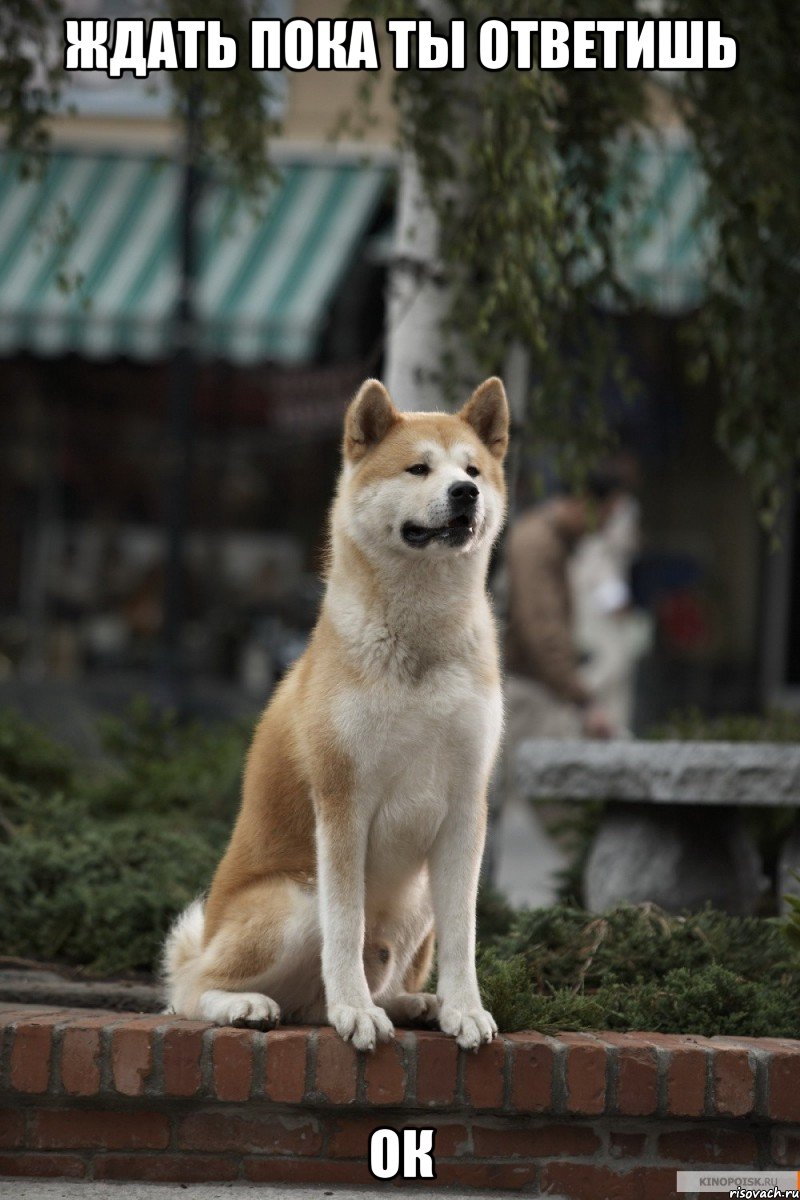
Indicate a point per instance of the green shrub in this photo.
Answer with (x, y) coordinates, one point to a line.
(710, 1002)
(30, 756)
(100, 894)
(567, 947)
(692, 725)
(495, 915)
(792, 922)
(160, 765)
(95, 863)
(96, 860)
(637, 968)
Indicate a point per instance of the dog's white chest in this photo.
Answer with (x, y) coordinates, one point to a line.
(415, 751)
(392, 731)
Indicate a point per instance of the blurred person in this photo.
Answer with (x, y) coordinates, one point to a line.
(611, 634)
(547, 695)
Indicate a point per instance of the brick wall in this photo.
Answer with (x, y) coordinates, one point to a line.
(104, 1095)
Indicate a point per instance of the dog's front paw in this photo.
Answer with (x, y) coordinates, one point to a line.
(468, 1025)
(413, 1006)
(361, 1026)
(248, 1009)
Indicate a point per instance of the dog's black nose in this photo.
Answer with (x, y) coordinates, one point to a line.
(462, 494)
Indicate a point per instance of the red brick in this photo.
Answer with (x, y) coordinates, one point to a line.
(531, 1073)
(182, 1050)
(637, 1074)
(12, 1128)
(772, 1045)
(507, 1176)
(77, 1018)
(603, 1183)
(451, 1140)
(784, 1085)
(734, 1083)
(437, 1065)
(571, 1141)
(673, 1041)
(166, 1168)
(267, 1132)
(80, 1061)
(74, 1129)
(687, 1071)
(132, 1058)
(580, 1181)
(785, 1148)
(585, 1074)
(626, 1145)
(145, 1020)
(658, 1183)
(32, 1052)
(12, 1014)
(306, 1170)
(448, 1174)
(349, 1136)
(385, 1073)
(232, 1063)
(41, 1166)
(631, 1037)
(286, 1065)
(531, 1141)
(484, 1075)
(337, 1069)
(709, 1146)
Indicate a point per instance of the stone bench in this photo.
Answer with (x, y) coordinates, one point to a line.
(672, 832)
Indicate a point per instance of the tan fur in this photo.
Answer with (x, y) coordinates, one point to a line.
(304, 772)
(418, 973)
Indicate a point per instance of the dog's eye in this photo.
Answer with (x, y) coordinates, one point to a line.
(419, 469)
(472, 471)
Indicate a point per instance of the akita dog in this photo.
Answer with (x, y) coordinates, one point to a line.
(364, 799)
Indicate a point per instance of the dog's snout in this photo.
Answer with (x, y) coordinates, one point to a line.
(463, 494)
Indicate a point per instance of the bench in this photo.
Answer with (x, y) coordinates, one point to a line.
(672, 831)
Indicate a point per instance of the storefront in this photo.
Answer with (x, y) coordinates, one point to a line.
(289, 313)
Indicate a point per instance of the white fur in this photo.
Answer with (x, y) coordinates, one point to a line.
(184, 943)
(239, 1008)
(421, 727)
(423, 731)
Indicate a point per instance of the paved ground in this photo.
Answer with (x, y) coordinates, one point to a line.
(23, 1189)
(527, 858)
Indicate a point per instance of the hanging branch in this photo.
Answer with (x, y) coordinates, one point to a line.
(528, 195)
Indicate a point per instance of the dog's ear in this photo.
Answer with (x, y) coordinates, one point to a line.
(487, 412)
(369, 418)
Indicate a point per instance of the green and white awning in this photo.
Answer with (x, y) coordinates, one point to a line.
(89, 251)
(89, 254)
(663, 246)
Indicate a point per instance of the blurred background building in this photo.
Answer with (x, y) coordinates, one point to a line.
(288, 316)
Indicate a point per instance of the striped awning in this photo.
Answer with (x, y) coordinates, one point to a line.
(663, 245)
(89, 257)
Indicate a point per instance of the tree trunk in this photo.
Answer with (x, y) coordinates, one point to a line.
(418, 299)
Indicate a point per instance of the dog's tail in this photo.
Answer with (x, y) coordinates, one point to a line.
(180, 959)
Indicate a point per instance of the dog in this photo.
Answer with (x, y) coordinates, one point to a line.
(363, 812)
